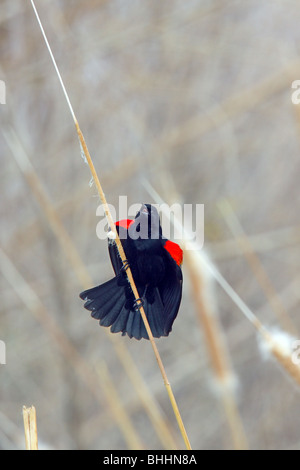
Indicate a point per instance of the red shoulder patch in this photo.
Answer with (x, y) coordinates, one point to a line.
(175, 251)
(124, 223)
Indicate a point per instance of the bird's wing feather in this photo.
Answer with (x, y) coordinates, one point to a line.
(115, 258)
(171, 290)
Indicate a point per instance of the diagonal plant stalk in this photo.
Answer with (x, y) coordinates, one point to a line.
(260, 243)
(216, 347)
(257, 267)
(117, 240)
(206, 312)
(273, 343)
(69, 250)
(231, 106)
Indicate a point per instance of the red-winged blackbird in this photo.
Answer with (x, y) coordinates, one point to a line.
(155, 265)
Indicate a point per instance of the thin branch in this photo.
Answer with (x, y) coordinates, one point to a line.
(30, 428)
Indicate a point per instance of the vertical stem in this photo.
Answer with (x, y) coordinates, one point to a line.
(217, 350)
(30, 428)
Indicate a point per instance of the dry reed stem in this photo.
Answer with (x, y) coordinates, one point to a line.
(118, 243)
(285, 361)
(219, 114)
(31, 300)
(256, 265)
(30, 428)
(160, 424)
(292, 369)
(68, 248)
(260, 243)
(214, 339)
(119, 412)
(216, 347)
(230, 107)
(30, 231)
(283, 358)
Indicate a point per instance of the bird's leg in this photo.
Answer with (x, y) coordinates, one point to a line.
(123, 280)
(138, 303)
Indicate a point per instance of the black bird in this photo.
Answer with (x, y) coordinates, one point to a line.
(155, 265)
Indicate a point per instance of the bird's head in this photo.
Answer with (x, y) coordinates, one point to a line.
(146, 224)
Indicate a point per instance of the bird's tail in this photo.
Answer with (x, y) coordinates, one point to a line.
(109, 304)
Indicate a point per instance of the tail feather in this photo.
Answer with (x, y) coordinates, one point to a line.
(120, 323)
(104, 301)
(113, 313)
(132, 327)
(100, 299)
(109, 304)
(155, 315)
(135, 326)
(103, 292)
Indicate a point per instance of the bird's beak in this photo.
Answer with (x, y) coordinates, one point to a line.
(144, 210)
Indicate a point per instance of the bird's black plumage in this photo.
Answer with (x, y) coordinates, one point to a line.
(157, 275)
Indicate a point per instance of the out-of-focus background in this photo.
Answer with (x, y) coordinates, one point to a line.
(195, 98)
